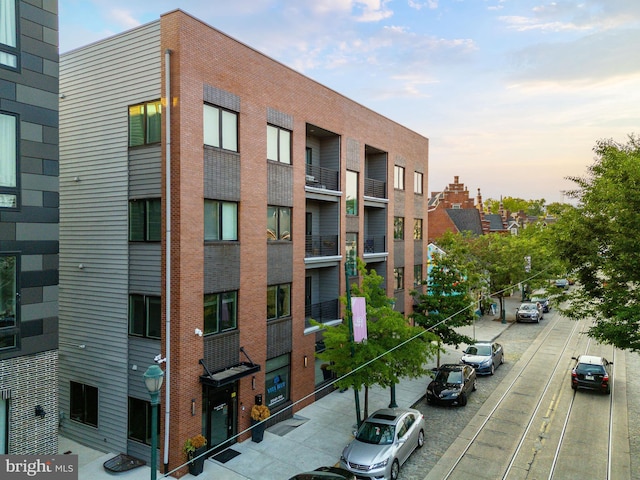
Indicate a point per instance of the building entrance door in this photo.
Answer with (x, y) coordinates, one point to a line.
(220, 415)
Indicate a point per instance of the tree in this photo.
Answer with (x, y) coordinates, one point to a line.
(393, 349)
(599, 240)
(447, 302)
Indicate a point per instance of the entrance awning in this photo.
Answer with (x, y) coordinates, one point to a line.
(229, 375)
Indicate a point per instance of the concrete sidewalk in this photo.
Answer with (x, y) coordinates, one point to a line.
(315, 436)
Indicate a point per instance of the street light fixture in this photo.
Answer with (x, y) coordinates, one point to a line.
(153, 378)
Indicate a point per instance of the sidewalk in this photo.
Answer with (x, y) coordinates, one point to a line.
(315, 436)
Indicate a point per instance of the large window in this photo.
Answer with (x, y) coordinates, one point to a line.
(84, 404)
(139, 414)
(417, 229)
(278, 301)
(398, 228)
(352, 193)
(8, 295)
(398, 276)
(145, 220)
(220, 312)
(277, 380)
(145, 316)
(145, 123)
(417, 275)
(278, 223)
(352, 254)
(220, 220)
(220, 128)
(8, 33)
(8, 159)
(278, 144)
(398, 177)
(417, 183)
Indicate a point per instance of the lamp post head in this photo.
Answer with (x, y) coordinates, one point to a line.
(153, 378)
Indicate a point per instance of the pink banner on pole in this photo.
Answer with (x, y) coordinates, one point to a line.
(359, 316)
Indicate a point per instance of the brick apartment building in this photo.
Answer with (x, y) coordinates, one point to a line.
(274, 181)
(28, 227)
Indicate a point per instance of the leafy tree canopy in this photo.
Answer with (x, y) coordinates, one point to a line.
(599, 240)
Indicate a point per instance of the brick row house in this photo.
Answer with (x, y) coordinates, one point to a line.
(210, 200)
(28, 226)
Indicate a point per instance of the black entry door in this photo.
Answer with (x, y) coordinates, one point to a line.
(220, 415)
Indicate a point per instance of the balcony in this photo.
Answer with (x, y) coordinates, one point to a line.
(320, 177)
(375, 244)
(375, 188)
(321, 245)
(322, 312)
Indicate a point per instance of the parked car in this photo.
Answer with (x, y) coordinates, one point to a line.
(591, 372)
(529, 312)
(562, 283)
(543, 301)
(484, 357)
(452, 384)
(325, 473)
(383, 443)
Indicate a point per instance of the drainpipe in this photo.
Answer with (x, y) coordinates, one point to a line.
(167, 293)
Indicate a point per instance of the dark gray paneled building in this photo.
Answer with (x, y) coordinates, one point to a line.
(28, 226)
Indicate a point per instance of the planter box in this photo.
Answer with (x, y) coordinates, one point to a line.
(197, 466)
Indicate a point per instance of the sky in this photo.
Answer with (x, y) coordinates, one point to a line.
(512, 94)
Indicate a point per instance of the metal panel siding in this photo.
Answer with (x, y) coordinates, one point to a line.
(98, 87)
(279, 263)
(330, 153)
(221, 175)
(280, 181)
(141, 354)
(144, 268)
(221, 267)
(145, 175)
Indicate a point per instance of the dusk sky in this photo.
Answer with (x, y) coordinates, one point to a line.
(512, 94)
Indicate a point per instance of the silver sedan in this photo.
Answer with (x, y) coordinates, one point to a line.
(383, 443)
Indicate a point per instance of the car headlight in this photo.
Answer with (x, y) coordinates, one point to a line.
(486, 362)
(380, 464)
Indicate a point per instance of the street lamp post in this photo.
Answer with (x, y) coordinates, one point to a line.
(153, 378)
(350, 315)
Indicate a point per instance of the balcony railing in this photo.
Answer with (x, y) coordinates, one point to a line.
(375, 244)
(322, 312)
(375, 188)
(320, 177)
(321, 245)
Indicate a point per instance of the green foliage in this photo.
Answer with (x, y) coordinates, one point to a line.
(393, 348)
(599, 240)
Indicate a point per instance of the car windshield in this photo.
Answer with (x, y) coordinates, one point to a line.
(482, 350)
(376, 433)
(528, 306)
(449, 376)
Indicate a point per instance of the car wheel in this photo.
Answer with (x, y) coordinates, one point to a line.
(607, 391)
(420, 438)
(428, 399)
(475, 385)
(493, 369)
(575, 387)
(501, 359)
(395, 470)
(462, 401)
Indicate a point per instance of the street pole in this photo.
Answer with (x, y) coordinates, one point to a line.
(356, 394)
(153, 378)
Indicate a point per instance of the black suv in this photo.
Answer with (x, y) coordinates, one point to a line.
(591, 372)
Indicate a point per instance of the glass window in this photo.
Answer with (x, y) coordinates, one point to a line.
(8, 33)
(139, 424)
(278, 223)
(84, 403)
(145, 123)
(352, 254)
(278, 301)
(277, 384)
(8, 305)
(417, 229)
(398, 275)
(145, 220)
(220, 220)
(278, 144)
(398, 228)
(417, 275)
(4, 426)
(352, 193)
(220, 312)
(398, 177)
(417, 182)
(145, 316)
(220, 128)
(8, 160)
